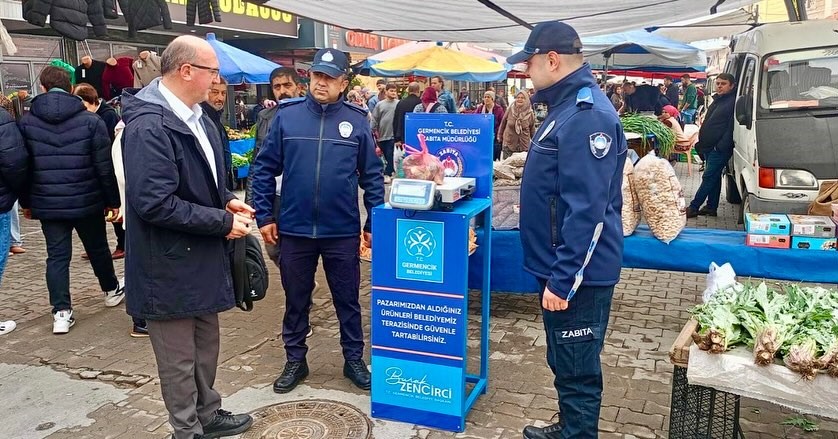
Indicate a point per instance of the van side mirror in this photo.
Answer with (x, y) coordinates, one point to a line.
(744, 110)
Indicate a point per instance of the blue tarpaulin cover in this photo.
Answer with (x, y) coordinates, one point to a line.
(641, 50)
(238, 66)
(692, 251)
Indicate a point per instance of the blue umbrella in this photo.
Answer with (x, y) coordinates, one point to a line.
(641, 50)
(238, 66)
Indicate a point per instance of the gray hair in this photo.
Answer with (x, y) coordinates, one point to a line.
(177, 53)
(413, 87)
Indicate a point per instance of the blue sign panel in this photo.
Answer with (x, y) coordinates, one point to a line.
(464, 143)
(429, 387)
(419, 250)
(419, 323)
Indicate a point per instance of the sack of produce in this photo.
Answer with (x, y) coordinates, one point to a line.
(504, 172)
(516, 160)
(422, 165)
(661, 197)
(631, 206)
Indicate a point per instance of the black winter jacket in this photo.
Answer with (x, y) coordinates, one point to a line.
(208, 10)
(14, 164)
(178, 261)
(145, 14)
(218, 125)
(108, 114)
(716, 132)
(67, 17)
(70, 158)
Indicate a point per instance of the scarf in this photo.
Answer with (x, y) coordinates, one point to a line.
(429, 96)
(521, 114)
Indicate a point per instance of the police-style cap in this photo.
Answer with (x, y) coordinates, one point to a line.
(550, 36)
(331, 62)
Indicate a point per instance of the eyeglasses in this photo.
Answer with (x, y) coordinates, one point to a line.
(213, 71)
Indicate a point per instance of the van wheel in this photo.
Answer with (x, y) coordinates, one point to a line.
(731, 191)
(744, 207)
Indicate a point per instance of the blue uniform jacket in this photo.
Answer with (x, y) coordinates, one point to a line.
(571, 196)
(323, 153)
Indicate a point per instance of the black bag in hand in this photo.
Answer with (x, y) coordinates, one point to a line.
(250, 274)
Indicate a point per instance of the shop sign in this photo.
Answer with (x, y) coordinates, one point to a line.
(420, 250)
(361, 42)
(245, 17)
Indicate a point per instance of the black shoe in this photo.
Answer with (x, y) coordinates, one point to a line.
(707, 212)
(293, 374)
(548, 432)
(226, 424)
(139, 331)
(357, 372)
(691, 213)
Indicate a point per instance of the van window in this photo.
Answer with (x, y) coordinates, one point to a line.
(746, 85)
(734, 65)
(800, 79)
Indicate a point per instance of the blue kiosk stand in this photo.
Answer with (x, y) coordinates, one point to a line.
(420, 297)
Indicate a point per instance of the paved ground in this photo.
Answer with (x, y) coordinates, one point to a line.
(97, 382)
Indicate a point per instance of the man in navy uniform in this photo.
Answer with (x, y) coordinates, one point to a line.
(570, 221)
(323, 149)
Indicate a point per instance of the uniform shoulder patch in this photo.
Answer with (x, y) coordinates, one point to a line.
(600, 144)
(584, 96)
(357, 108)
(291, 101)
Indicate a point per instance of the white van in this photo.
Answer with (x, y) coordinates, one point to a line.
(786, 120)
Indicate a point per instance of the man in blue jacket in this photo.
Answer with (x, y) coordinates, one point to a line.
(323, 149)
(72, 188)
(570, 221)
(179, 212)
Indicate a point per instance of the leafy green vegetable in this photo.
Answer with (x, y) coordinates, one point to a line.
(635, 123)
(801, 423)
(240, 161)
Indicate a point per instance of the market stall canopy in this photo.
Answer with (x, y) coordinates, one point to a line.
(442, 61)
(498, 21)
(721, 25)
(641, 50)
(412, 47)
(238, 66)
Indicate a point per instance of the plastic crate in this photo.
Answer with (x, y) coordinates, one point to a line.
(701, 412)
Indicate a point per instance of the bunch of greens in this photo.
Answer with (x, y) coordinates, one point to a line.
(644, 125)
(240, 161)
(801, 323)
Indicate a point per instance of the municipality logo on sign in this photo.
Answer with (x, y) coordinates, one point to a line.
(419, 242)
(418, 387)
(419, 255)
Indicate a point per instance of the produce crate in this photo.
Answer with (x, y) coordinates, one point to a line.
(698, 412)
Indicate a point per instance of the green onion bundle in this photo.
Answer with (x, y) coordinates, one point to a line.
(635, 123)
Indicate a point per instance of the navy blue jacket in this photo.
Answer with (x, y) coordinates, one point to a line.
(70, 158)
(323, 153)
(571, 189)
(14, 164)
(108, 114)
(716, 132)
(177, 259)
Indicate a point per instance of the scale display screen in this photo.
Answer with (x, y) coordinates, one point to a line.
(412, 194)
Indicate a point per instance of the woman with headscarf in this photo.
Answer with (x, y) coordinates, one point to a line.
(517, 125)
(429, 103)
(490, 107)
(670, 117)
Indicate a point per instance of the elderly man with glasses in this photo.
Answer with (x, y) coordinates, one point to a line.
(181, 216)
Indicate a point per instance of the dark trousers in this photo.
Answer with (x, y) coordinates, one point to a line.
(120, 236)
(387, 148)
(59, 240)
(575, 339)
(711, 180)
(298, 259)
(187, 360)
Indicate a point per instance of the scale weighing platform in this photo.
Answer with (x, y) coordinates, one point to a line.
(412, 194)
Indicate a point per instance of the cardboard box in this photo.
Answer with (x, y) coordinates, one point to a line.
(767, 224)
(812, 226)
(811, 243)
(768, 241)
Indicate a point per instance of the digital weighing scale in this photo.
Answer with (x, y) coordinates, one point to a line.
(412, 194)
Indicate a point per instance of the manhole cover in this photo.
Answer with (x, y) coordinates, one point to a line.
(310, 419)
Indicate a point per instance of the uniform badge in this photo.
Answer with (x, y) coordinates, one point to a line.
(547, 130)
(345, 129)
(600, 144)
(328, 57)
